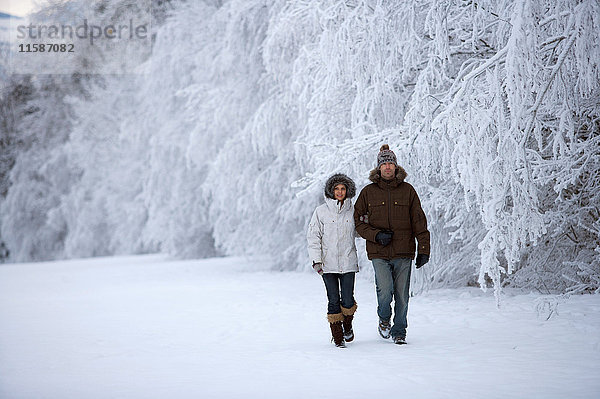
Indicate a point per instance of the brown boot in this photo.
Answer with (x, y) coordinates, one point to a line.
(347, 323)
(337, 331)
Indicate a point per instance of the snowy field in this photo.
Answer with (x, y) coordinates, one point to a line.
(148, 327)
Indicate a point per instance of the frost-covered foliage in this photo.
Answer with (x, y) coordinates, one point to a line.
(38, 172)
(516, 128)
(246, 107)
(36, 120)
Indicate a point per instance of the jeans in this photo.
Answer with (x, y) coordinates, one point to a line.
(392, 281)
(333, 282)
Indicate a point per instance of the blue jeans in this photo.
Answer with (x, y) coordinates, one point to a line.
(392, 281)
(336, 283)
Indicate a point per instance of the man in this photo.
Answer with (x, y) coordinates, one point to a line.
(389, 216)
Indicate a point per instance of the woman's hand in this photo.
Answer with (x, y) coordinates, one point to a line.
(318, 268)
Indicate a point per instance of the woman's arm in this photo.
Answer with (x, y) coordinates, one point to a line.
(314, 236)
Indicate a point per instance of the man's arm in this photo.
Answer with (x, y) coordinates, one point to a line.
(361, 209)
(419, 225)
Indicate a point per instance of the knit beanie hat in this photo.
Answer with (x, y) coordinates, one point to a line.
(386, 155)
(340, 178)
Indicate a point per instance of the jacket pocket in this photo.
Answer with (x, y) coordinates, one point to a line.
(377, 214)
(401, 213)
(330, 232)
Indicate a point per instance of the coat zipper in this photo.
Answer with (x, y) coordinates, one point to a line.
(389, 208)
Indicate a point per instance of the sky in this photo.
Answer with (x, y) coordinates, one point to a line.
(18, 7)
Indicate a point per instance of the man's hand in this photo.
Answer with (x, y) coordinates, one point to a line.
(318, 268)
(421, 260)
(384, 237)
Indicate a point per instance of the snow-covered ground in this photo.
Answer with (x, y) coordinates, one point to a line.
(148, 327)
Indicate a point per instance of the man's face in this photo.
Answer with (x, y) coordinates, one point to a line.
(339, 192)
(388, 170)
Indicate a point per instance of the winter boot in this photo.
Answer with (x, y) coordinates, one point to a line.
(400, 340)
(347, 323)
(337, 331)
(384, 328)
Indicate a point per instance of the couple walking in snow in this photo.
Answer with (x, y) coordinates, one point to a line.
(389, 216)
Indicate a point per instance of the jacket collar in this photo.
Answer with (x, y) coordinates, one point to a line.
(334, 206)
(375, 177)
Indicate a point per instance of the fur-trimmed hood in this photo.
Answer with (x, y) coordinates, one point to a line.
(375, 177)
(340, 178)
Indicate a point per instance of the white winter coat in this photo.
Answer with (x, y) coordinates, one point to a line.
(331, 237)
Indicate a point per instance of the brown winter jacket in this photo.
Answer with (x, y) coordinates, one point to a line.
(391, 205)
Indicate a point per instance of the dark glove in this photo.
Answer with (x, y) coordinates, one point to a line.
(384, 237)
(318, 268)
(421, 260)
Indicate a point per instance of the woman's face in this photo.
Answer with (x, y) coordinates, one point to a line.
(339, 192)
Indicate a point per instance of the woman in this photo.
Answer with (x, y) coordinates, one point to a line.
(333, 253)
